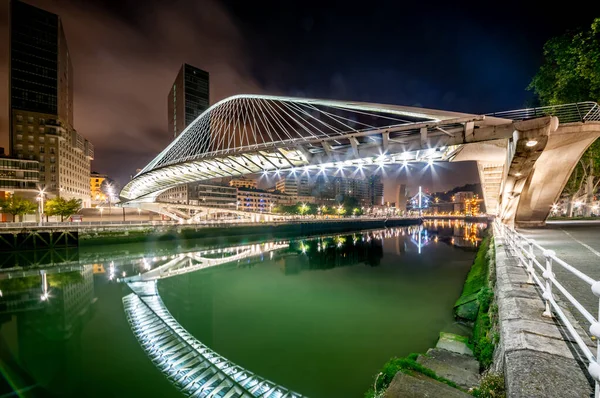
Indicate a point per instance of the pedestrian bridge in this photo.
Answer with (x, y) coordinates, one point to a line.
(525, 157)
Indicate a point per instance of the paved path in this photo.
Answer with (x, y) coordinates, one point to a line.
(577, 243)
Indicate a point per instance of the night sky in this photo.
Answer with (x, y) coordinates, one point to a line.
(475, 58)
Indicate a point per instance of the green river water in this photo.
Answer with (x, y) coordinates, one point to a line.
(319, 316)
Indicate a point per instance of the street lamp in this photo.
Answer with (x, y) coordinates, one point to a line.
(41, 201)
(101, 210)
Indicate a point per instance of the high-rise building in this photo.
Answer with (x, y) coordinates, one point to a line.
(375, 190)
(188, 98)
(368, 191)
(401, 197)
(294, 185)
(41, 103)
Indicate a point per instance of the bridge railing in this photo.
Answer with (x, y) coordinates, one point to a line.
(527, 252)
(566, 113)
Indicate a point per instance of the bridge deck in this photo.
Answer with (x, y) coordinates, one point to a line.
(192, 367)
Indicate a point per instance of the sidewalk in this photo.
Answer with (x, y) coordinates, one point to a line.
(537, 356)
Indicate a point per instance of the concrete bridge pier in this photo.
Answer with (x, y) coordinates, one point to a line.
(523, 175)
(523, 151)
(552, 170)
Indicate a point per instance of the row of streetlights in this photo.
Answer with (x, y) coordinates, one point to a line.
(380, 163)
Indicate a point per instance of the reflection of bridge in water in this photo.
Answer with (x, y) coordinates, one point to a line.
(192, 367)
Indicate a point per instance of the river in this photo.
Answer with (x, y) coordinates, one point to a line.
(319, 315)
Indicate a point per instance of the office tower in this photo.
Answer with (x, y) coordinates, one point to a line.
(41, 103)
(188, 98)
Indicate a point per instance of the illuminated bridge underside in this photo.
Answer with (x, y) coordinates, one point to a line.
(194, 261)
(250, 134)
(192, 367)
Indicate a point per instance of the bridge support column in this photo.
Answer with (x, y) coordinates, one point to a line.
(524, 149)
(552, 171)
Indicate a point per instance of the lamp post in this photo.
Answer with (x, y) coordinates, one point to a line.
(41, 201)
(101, 210)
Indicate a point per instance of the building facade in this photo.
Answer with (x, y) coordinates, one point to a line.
(41, 104)
(261, 201)
(243, 182)
(294, 185)
(96, 194)
(212, 195)
(18, 177)
(188, 98)
(368, 191)
(178, 194)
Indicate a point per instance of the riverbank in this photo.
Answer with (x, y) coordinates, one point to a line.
(465, 218)
(454, 367)
(35, 237)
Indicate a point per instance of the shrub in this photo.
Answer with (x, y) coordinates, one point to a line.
(492, 386)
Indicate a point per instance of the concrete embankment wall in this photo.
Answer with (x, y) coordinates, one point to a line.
(101, 236)
(536, 354)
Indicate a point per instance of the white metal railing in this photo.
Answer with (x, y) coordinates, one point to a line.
(527, 252)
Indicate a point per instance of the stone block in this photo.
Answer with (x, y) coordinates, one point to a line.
(420, 386)
(533, 374)
(451, 369)
(454, 343)
(467, 311)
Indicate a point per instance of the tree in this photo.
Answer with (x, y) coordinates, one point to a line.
(17, 206)
(571, 68)
(303, 209)
(62, 207)
(571, 73)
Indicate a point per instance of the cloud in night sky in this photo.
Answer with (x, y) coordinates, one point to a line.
(471, 58)
(123, 72)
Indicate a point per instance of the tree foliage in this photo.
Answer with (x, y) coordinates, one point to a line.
(17, 206)
(571, 73)
(571, 68)
(349, 205)
(62, 207)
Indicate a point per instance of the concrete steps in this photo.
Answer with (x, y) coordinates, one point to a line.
(459, 368)
(420, 386)
(451, 360)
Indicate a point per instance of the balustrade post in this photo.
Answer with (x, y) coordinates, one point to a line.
(548, 254)
(531, 269)
(594, 367)
(519, 251)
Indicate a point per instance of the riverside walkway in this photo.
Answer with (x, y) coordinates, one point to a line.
(577, 243)
(547, 290)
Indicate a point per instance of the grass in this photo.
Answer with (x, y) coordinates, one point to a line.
(491, 386)
(408, 365)
(483, 341)
(478, 275)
